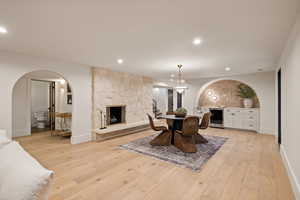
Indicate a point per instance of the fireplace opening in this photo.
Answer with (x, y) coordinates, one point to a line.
(216, 119)
(115, 114)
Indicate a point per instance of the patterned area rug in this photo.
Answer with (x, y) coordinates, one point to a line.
(171, 154)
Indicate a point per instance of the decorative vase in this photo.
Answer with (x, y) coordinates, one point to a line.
(248, 103)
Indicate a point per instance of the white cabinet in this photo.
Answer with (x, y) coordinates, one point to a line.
(241, 118)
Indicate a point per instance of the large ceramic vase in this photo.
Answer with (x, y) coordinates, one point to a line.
(248, 103)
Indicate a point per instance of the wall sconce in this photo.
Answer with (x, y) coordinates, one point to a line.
(62, 90)
(209, 93)
(214, 98)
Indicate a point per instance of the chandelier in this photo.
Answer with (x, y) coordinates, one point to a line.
(180, 82)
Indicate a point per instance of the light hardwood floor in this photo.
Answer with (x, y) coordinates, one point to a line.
(248, 166)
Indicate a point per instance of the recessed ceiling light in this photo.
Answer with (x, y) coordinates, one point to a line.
(3, 30)
(172, 75)
(227, 68)
(197, 41)
(120, 61)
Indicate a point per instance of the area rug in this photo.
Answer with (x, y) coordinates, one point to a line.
(171, 154)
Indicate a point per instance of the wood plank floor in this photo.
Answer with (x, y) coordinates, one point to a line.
(248, 166)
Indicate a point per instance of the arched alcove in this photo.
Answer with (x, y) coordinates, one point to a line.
(206, 85)
(29, 102)
(223, 93)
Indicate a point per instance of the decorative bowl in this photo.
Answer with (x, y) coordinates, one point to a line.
(180, 114)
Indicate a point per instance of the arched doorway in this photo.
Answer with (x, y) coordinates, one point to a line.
(42, 104)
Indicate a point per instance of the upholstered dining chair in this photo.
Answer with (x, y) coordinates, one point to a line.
(203, 125)
(164, 138)
(185, 138)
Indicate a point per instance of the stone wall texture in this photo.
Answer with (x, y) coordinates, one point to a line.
(121, 88)
(223, 94)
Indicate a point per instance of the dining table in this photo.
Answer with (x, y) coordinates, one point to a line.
(176, 124)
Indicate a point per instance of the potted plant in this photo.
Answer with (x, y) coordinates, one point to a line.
(247, 94)
(180, 112)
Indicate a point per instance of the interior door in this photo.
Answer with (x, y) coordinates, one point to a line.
(52, 105)
(170, 100)
(279, 105)
(179, 100)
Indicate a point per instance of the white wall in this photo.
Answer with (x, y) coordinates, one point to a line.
(262, 83)
(161, 97)
(61, 98)
(61, 104)
(290, 69)
(13, 66)
(21, 108)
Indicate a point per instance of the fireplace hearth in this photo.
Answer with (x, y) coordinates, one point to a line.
(116, 114)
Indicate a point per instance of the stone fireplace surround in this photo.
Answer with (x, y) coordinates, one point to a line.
(121, 88)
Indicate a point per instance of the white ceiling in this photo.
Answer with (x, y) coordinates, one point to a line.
(152, 36)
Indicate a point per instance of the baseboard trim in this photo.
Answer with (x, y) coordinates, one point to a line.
(77, 139)
(266, 132)
(21, 133)
(291, 174)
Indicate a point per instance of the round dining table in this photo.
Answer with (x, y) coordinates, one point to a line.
(176, 124)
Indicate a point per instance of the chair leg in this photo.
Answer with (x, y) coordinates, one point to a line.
(163, 139)
(185, 144)
(199, 139)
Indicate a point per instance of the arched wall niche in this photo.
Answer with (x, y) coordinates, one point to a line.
(222, 93)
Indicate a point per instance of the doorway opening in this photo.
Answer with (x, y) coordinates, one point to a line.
(279, 105)
(42, 104)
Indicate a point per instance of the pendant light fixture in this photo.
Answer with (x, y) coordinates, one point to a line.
(180, 82)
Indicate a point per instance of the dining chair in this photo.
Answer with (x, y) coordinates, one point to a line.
(205, 121)
(164, 138)
(203, 125)
(185, 138)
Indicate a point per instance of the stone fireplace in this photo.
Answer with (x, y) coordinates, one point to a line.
(133, 93)
(116, 114)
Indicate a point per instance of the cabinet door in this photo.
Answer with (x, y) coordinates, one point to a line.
(237, 119)
(228, 118)
(250, 124)
(251, 119)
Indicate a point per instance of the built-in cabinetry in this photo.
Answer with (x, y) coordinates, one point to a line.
(241, 118)
(238, 118)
